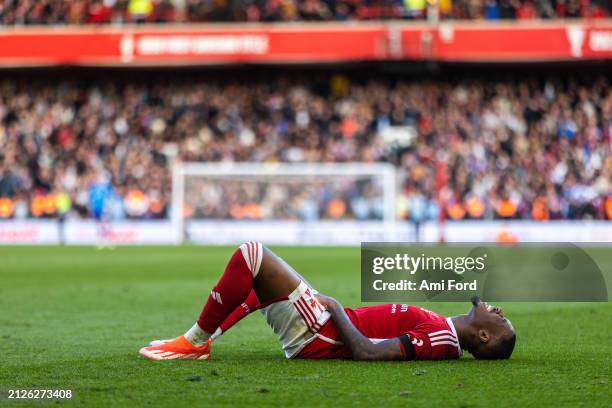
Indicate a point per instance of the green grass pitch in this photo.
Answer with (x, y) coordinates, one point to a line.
(75, 317)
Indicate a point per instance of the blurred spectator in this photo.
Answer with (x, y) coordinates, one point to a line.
(139, 11)
(491, 10)
(526, 11)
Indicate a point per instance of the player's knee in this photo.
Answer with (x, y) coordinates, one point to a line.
(252, 253)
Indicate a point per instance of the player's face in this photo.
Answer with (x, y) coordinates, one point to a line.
(488, 317)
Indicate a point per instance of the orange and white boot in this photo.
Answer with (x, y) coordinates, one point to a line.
(176, 349)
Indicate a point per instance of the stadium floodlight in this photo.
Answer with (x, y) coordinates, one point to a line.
(288, 202)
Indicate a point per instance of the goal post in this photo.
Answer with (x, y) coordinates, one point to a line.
(287, 202)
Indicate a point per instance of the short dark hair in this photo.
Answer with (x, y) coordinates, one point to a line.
(500, 350)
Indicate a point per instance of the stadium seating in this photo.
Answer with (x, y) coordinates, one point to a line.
(20, 12)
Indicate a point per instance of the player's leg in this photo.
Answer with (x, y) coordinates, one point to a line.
(273, 282)
(250, 267)
(247, 307)
(254, 276)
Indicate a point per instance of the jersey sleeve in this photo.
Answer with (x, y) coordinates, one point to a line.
(433, 343)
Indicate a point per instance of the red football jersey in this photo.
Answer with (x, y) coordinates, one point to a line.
(433, 336)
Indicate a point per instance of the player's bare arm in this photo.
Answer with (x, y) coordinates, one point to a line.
(362, 348)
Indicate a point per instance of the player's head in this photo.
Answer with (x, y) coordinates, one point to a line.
(493, 336)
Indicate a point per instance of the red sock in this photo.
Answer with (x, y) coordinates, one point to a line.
(247, 307)
(233, 288)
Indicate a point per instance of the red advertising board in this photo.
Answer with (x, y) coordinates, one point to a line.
(525, 42)
(305, 43)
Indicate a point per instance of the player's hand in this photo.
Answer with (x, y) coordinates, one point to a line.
(326, 301)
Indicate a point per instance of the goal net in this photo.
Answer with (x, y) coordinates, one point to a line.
(282, 203)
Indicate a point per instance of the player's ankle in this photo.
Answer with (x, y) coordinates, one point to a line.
(197, 336)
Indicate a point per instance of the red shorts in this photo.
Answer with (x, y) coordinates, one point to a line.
(322, 348)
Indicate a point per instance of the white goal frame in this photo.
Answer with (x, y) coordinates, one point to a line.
(180, 170)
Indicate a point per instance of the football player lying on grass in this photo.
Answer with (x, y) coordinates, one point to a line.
(312, 326)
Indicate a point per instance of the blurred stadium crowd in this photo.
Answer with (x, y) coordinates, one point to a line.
(18, 12)
(285, 198)
(516, 149)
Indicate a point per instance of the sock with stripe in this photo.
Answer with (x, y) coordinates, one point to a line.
(247, 307)
(232, 290)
